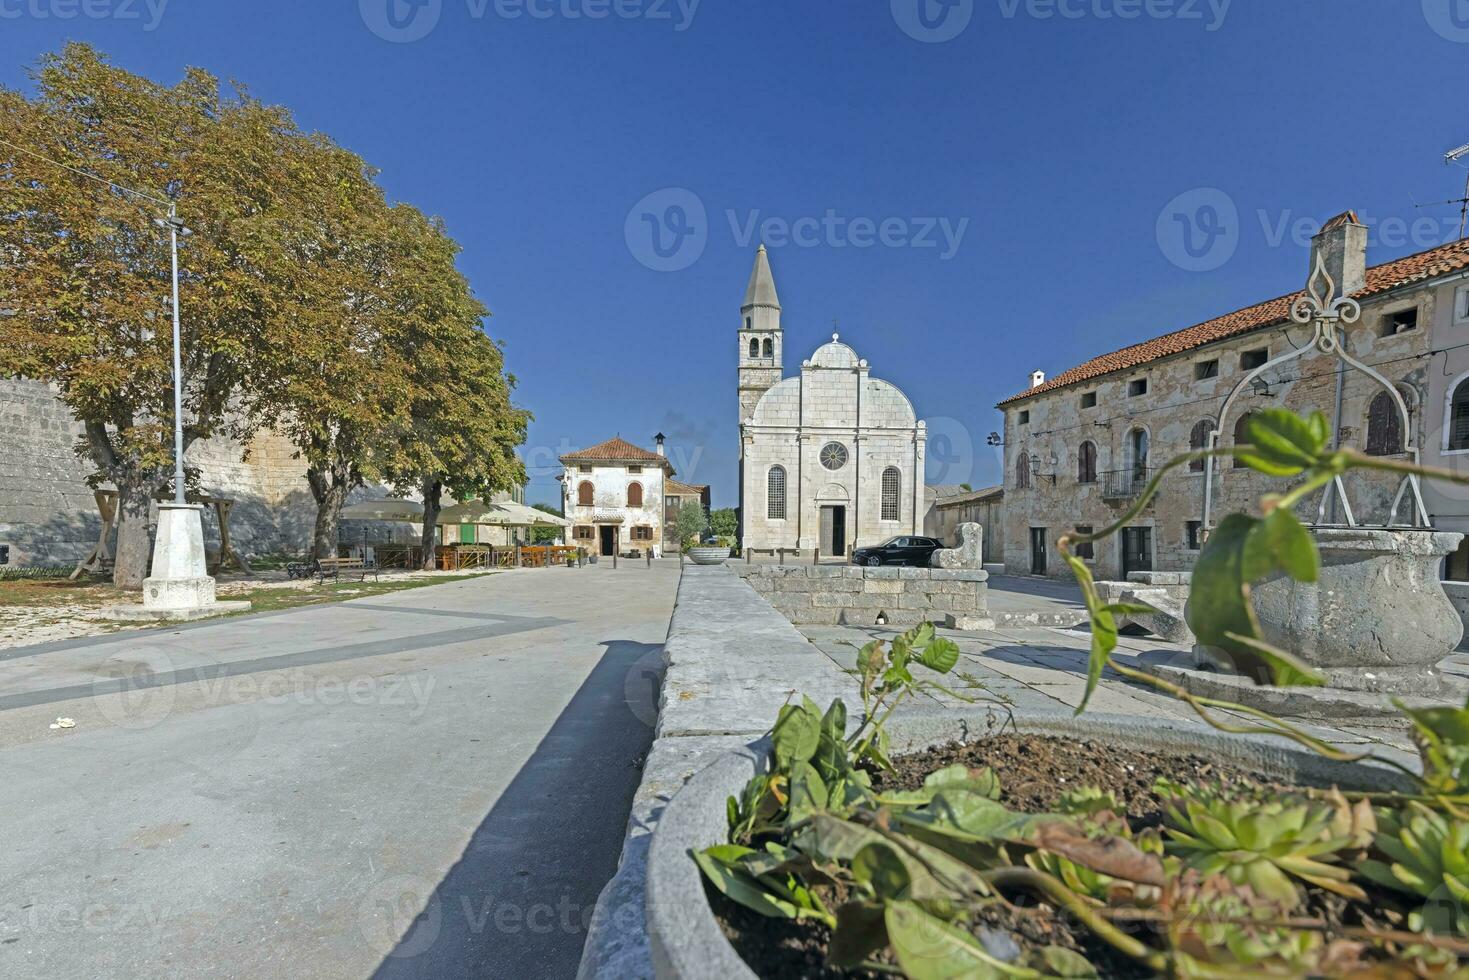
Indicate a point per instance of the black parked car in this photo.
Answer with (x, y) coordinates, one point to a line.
(905, 550)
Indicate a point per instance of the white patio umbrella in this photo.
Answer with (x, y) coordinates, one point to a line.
(409, 511)
(477, 512)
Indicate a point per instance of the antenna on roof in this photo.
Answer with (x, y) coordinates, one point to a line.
(1453, 157)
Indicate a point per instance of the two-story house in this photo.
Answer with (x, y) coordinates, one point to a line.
(614, 496)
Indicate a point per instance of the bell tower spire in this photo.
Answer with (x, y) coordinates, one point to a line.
(760, 336)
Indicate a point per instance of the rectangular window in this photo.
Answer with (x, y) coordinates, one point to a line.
(1089, 400)
(642, 534)
(1136, 387)
(584, 531)
(1400, 322)
(584, 469)
(1088, 551)
(1024, 418)
(1461, 305)
(1204, 370)
(1252, 359)
(1192, 531)
(635, 469)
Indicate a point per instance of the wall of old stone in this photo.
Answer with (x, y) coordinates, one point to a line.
(852, 596)
(47, 512)
(1176, 399)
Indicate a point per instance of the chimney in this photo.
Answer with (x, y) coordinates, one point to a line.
(660, 439)
(1037, 378)
(1342, 246)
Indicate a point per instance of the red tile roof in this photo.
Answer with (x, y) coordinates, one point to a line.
(1431, 264)
(613, 451)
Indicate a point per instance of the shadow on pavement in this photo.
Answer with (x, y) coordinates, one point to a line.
(517, 903)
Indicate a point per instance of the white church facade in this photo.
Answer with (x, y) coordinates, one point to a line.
(831, 459)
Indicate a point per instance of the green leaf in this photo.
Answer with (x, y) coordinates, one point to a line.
(1283, 443)
(881, 867)
(1281, 543)
(746, 890)
(930, 949)
(941, 655)
(1067, 963)
(808, 792)
(834, 722)
(860, 932)
(796, 736)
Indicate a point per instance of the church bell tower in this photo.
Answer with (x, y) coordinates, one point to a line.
(760, 336)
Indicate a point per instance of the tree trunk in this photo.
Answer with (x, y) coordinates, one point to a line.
(433, 502)
(130, 561)
(330, 487)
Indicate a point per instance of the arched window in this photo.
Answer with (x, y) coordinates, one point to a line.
(1022, 472)
(1241, 436)
(1086, 463)
(1459, 417)
(1137, 451)
(769, 347)
(635, 495)
(754, 347)
(584, 494)
(892, 488)
(775, 494)
(1199, 439)
(1384, 427)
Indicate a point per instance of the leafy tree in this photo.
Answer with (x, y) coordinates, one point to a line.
(691, 523)
(87, 283)
(546, 535)
(724, 522)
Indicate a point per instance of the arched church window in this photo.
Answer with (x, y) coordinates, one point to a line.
(769, 347)
(584, 494)
(775, 494)
(892, 489)
(1384, 427)
(754, 347)
(635, 495)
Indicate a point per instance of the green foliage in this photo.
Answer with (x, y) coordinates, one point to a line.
(724, 522)
(1426, 855)
(1257, 841)
(544, 534)
(691, 523)
(1442, 736)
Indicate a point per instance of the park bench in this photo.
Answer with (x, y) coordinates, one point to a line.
(334, 567)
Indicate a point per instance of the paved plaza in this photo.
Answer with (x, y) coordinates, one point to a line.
(427, 784)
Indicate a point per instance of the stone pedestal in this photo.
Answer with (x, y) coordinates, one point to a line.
(179, 587)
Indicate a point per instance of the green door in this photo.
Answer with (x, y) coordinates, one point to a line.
(468, 534)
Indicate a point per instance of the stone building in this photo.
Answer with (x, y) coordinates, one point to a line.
(828, 459)
(49, 517)
(614, 495)
(676, 496)
(1080, 447)
(950, 507)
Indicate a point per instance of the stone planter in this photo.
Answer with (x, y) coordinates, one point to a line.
(708, 556)
(1378, 620)
(684, 935)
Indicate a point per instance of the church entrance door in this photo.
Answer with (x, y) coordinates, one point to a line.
(609, 540)
(834, 532)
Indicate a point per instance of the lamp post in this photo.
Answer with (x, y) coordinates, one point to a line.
(175, 227)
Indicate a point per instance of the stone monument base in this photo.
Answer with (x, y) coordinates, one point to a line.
(152, 614)
(180, 587)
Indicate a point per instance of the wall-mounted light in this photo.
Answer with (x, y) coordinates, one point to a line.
(995, 440)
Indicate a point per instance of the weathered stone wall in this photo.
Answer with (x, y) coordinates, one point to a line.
(1176, 400)
(48, 515)
(854, 596)
(945, 517)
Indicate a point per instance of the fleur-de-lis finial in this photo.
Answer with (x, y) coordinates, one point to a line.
(1321, 303)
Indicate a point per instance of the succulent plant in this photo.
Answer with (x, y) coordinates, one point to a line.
(1257, 841)
(1428, 858)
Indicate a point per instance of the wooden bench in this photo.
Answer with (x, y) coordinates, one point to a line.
(334, 567)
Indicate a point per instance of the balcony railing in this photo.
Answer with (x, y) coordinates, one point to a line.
(1124, 484)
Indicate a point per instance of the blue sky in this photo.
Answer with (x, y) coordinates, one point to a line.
(972, 189)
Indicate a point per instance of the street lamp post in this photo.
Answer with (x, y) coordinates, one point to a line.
(175, 226)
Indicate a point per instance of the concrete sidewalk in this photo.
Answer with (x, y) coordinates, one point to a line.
(426, 784)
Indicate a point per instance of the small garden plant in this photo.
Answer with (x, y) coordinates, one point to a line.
(1202, 877)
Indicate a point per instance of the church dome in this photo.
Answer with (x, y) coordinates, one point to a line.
(835, 355)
